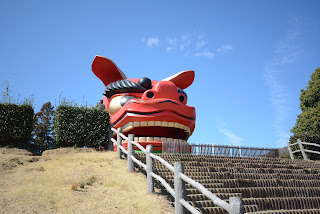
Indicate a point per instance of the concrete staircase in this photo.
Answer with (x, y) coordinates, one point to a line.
(266, 185)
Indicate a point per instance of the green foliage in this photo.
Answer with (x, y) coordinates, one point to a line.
(15, 125)
(12, 163)
(83, 184)
(41, 169)
(90, 180)
(15, 120)
(74, 126)
(43, 128)
(81, 126)
(307, 127)
(6, 97)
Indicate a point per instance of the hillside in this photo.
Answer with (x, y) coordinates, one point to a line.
(73, 181)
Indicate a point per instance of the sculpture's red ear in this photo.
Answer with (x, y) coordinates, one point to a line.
(106, 70)
(183, 79)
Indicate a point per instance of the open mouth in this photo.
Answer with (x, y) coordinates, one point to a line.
(159, 131)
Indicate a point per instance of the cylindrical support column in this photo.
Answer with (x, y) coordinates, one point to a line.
(179, 188)
(290, 150)
(130, 153)
(119, 142)
(304, 155)
(236, 206)
(150, 168)
(110, 135)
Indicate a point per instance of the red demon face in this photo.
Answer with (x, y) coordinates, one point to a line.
(154, 111)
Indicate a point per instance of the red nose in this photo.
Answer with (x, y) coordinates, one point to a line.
(163, 89)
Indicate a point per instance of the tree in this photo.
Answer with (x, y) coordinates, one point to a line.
(43, 128)
(307, 127)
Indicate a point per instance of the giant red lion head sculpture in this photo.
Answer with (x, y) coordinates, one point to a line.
(154, 111)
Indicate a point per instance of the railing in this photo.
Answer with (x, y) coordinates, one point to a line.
(174, 147)
(179, 191)
(233, 151)
(219, 150)
(302, 150)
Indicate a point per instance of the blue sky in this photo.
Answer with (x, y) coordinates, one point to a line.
(251, 58)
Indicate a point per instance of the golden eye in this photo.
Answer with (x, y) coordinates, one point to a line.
(115, 105)
(117, 102)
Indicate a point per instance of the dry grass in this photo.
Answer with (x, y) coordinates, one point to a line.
(73, 181)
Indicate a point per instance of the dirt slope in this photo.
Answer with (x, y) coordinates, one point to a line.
(73, 181)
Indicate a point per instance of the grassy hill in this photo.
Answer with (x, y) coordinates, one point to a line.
(73, 181)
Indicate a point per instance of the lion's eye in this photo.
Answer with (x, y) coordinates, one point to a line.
(125, 99)
(116, 103)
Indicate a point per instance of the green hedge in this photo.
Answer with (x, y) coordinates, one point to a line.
(81, 126)
(15, 125)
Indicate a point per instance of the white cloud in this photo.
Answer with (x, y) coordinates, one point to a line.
(169, 49)
(279, 103)
(286, 52)
(232, 138)
(152, 41)
(225, 48)
(185, 41)
(206, 53)
(172, 41)
(235, 140)
(200, 43)
(189, 45)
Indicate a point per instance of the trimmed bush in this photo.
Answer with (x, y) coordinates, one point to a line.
(15, 125)
(81, 126)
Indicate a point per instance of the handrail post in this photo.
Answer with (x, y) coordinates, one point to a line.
(130, 153)
(110, 135)
(150, 168)
(119, 142)
(179, 188)
(236, 206)
(304, 155)
(290, 150)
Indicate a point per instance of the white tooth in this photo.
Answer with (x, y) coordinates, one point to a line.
(127, 127)
(157, 123)
(164, 124)
(136, 139)
(170, 124)
(142, 139)
(149, 139)
(163, 139)
(157, 139)
(182, 126)
(185, 128)
(181, 141)
(177, 125)
(150, 123)
(143, 123)
(170, 140)
(188, 130)
(175, 140)
(136, 124)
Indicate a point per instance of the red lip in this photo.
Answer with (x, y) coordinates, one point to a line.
(164, 110)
